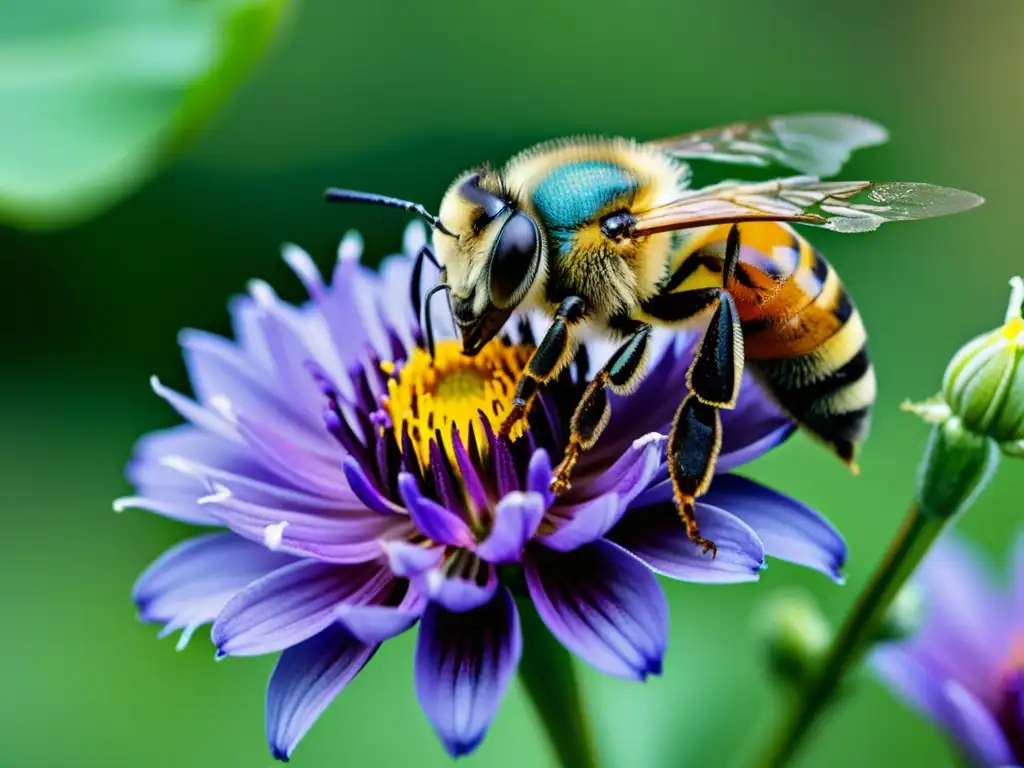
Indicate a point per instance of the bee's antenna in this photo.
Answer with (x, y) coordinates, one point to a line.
(428, 322)
(335, 195)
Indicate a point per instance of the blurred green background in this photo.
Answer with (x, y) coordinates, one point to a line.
(399, 97)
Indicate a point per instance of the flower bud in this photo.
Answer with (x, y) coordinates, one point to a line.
(984, 383)
(795, 637)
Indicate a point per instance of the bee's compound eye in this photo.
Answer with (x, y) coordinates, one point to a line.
(514, 258)
(618, 225)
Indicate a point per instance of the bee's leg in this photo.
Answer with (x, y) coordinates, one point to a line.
(717, 369)
(716, 372)
(714, 381)
(550, 357)
(620, 374)
(693, 446)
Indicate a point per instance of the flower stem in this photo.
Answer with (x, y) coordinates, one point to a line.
(915, 537)
(548, 673)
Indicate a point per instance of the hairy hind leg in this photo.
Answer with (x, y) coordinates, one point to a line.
(693, 446)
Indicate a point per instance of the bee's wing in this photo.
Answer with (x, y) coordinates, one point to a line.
(815, 144)
(807, 200)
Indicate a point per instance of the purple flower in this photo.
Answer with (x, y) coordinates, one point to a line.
(360, 488)
(964, 668)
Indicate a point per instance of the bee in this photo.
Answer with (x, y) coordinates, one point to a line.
(607, 235)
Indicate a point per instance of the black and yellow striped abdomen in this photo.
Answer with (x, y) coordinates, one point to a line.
(803, 337)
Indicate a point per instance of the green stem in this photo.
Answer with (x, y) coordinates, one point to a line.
(916, 535)
(548, 674)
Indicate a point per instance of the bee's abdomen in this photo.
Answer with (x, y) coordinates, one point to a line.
(811, 353)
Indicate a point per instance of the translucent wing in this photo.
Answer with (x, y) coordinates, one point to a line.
(815, 144)
(842, 206)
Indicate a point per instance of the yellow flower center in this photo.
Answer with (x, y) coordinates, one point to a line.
(427, 397)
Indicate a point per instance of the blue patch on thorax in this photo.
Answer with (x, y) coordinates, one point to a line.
(573, 194)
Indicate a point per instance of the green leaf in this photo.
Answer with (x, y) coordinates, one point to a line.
(95, 95)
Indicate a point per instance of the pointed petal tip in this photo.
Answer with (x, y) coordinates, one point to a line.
(788, 529)
(650, 438)
(262, 293)
(351, 246)
(457, 748)
(280, 754)
(125, 502)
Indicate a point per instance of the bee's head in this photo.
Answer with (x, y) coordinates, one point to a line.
(489, 251)
(495, 260)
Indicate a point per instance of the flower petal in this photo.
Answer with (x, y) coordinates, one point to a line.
(312, 472)
(411, 560)
(628, 476)
(464, 664)
(294, 603)
(433, 521)
(788, 529)
(283, 330)
(515, 521)
(189, 584)
(185, 452)
(974, 727)
(1017, 583)
(581, 524)
(470, 477)
(376, 623)
(604, 605)
(191, 411)
(968, 623)
(538, 476)
(305, 680)
(658, 537)
(339, 535)
(366, 491)
(220, 368)
(465, 582)
(945, 702)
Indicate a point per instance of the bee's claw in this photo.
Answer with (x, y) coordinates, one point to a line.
(693, 530)
(513, 418)
(560, 484)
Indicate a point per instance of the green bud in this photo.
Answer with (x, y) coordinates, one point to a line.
(979, 413)
(795, 636)
(984, 383)
(903, 617)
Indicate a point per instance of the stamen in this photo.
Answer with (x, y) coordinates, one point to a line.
(427, 399)
(220, 494)
(273, 534)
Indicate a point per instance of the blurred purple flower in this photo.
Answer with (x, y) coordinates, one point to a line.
(964, 667)
(363, 489)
